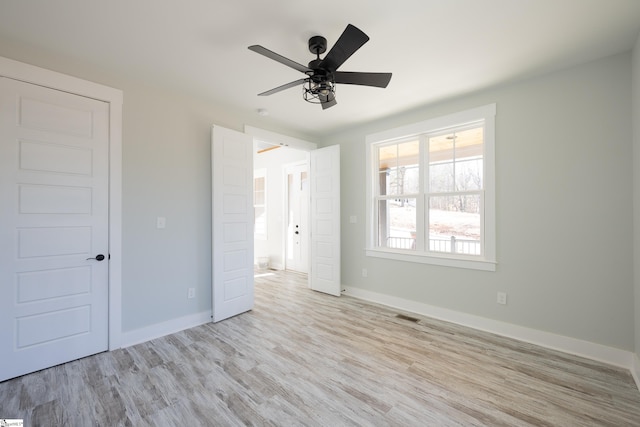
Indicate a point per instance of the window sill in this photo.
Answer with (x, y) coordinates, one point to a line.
(473, 264)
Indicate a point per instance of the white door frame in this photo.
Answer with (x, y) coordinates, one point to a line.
(54, 80)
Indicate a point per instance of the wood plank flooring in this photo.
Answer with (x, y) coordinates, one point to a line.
(301, 358)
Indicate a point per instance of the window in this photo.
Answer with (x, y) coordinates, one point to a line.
(431, 191)
(260, 204)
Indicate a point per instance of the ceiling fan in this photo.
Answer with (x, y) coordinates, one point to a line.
(323, 74)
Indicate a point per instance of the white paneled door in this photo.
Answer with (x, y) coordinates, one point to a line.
(53, 227)
(325, 220)
(232, 222)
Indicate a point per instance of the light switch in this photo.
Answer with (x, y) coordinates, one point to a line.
(161, 222)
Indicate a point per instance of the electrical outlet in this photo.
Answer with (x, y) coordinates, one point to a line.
(502, 298)
(365, 273)
(191, 293)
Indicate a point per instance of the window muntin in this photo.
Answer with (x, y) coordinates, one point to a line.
(433, 193)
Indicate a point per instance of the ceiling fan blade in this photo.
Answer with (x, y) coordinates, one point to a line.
(283, 87)
(364, 79)
(328, 101)
(279, 58)
(351, 40)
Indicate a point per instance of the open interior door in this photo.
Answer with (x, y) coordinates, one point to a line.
(232, 223)
(324, 274)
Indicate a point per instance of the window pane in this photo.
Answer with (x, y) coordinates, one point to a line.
(402, 180)
(408, 153)
(441, 148)
(441, 168)
(469, 175)
(258, 191)
(455, 161)
(258, 183)
(411, 181)
(454, 224)
(469, 143)
(469, 152)
(441, 177)
(387, 156)
(397, 223)
(398, 168)
(394, 180)
(387, 160)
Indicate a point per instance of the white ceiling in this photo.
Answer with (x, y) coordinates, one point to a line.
(435, 48)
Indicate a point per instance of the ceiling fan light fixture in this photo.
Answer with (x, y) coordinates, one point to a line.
(318, 92)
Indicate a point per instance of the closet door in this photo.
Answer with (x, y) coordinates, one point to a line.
(54, 182)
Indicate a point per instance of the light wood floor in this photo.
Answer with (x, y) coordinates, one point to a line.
(304, 358)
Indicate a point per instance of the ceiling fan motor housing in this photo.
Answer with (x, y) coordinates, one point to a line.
(317, 45)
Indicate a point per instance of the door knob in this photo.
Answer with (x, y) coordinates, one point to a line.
(98, 257)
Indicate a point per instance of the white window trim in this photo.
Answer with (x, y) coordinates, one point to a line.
(488, 261)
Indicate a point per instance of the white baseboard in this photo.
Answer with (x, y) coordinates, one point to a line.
(272, 266)
(598, 352)
(635, 370)
(158, 330)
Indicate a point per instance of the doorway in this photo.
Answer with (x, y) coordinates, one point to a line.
(281, 207)
(297, 217)
(323, 176)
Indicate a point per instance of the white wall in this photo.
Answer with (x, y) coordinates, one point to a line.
(564, 209)
(273, 161)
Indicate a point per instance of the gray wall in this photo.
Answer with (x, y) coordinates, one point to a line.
(166, 172)
(636, 188)
(564, 209)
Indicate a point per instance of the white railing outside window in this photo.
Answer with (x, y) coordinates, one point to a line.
(452, 245)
